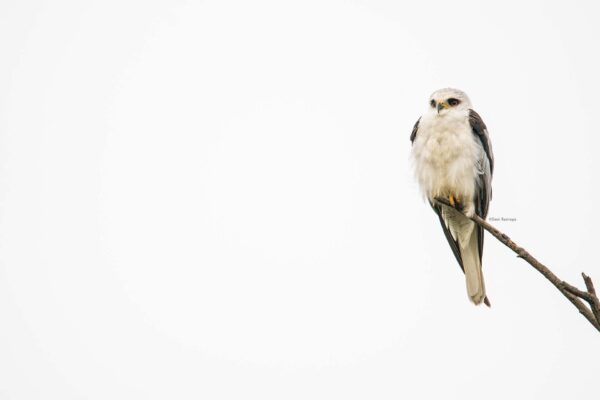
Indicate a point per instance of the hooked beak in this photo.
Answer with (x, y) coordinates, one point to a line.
(441, 105)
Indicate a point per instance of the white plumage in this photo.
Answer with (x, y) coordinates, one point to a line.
(445, 155)
(450, 161)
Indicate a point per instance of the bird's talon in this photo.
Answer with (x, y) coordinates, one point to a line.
(451, 200)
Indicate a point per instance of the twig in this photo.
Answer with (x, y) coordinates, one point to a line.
(573, 294)
(594, 302)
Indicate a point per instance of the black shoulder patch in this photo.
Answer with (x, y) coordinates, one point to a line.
(413, 135)
(480, 130)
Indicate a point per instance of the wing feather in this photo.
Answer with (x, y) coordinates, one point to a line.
(451, 240)
(481, 132)
(483, 194)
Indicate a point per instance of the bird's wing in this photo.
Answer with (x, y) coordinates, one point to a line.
(483, 194)
(480, 131)
(451, 240)
(413, 135)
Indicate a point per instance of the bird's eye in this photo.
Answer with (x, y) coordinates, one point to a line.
(453, 102)
(432, 102)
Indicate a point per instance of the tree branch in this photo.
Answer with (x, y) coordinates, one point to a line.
(573, 294)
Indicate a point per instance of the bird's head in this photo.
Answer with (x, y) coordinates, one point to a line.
(447, 100)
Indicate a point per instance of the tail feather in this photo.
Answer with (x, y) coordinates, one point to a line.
(466, 241)
(469, 250)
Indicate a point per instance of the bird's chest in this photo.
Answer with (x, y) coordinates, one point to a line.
(445, 155)
(444, 142)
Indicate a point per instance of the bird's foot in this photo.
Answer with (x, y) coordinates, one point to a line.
(456, 203)
(451, 200)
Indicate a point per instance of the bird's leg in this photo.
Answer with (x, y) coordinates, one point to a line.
(451, 200)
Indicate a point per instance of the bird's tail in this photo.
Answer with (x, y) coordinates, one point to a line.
(469, 250)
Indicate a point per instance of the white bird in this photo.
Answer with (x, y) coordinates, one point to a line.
(452, 156)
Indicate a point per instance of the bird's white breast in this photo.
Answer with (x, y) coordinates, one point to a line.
(446, 156)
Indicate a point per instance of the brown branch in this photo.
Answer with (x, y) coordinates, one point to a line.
(594, 302)
(573, 294)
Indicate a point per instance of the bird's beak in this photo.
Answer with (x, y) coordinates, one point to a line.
(441, 105)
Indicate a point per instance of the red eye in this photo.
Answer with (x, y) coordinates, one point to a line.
(453, 102)
(432, 102)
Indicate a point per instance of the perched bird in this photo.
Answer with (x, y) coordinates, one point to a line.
(453, 159)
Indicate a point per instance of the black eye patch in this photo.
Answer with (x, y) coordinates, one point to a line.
(432, 102)
(453, 102)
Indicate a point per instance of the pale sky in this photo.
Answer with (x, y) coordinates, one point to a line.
(214, 200)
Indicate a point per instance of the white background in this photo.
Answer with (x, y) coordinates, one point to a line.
(214, 200)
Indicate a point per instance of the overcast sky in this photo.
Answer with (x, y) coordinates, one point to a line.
(214, 200)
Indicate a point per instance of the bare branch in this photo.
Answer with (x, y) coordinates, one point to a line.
(577, 292)
(594, 302)
(573, 294)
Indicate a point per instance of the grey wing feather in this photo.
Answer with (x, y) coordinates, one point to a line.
(483, 194)
(481, 132)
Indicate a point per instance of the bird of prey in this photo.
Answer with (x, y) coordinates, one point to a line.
(453, 159)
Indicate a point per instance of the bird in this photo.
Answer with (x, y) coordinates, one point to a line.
(453, 159)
